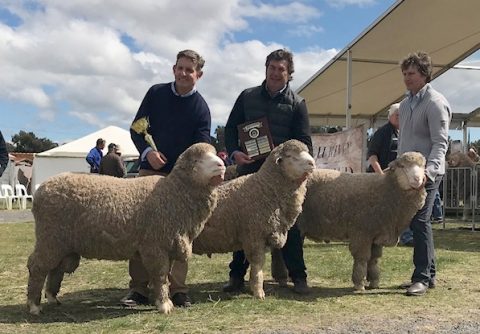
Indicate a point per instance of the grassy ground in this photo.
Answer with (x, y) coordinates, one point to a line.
(90, 296)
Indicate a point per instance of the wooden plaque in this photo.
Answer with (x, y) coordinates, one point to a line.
(255, 138)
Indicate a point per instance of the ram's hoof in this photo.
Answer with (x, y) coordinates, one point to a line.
(260, 294)
(164, 307)
(33, 308)
(51, 299)
(359, 289)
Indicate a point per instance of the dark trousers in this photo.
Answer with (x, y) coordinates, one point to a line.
(292, 253)
(423, 247)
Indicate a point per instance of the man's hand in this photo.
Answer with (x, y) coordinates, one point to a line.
(242, 158)
(156, 159)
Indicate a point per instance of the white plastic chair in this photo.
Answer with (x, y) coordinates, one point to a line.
(5, 200)
(21, 192)
(8, 192)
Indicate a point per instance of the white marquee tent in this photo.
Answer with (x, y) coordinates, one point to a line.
(71, 156)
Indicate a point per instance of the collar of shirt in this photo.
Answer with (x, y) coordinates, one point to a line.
(276, 93)
(193, 91)
(420, 93)
(415, 99)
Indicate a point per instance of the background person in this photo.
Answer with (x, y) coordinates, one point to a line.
(179, 117)
(94, 157)
(287, 119)
(382, 148)
(112, 163)
(425, 117)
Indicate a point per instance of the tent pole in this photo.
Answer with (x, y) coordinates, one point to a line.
(348, 111)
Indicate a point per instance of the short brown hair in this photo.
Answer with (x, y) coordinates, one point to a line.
(197, 60)
(282, 54)
(421, 60)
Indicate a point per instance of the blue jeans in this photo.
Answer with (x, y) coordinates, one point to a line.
(423, 247)
(437, 207)
(406, 237)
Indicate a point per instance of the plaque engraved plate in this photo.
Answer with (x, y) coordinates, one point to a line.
(255, 138)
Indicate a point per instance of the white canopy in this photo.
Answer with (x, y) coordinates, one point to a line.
(366, 73)
(70, 157)
(81, 146)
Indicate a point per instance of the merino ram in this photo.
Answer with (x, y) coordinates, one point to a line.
(368, 210)
(255, 212)
(102, 217)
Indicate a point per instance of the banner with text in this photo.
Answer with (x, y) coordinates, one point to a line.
(342, 151)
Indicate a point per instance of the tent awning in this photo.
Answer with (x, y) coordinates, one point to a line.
(448, 30)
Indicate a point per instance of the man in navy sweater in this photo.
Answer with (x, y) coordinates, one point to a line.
(178, 118)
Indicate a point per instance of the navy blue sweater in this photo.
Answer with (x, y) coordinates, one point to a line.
(176, 123)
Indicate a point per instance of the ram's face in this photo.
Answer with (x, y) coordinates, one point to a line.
(298, 165)
(410, 169)
(209, 169)
(415, 175)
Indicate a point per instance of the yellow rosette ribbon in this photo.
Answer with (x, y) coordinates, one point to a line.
(140, 126)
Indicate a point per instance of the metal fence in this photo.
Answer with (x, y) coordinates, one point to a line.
(460, 192)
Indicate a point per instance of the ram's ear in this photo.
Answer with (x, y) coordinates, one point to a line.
(277, 153)
(392, 165)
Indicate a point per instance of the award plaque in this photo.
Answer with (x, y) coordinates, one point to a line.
(255, 138)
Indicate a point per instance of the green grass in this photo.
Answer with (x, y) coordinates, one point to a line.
(90, 296)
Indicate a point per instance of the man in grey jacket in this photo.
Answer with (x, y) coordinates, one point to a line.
(425, 117)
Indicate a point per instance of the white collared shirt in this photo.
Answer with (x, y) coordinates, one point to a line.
(193, 91)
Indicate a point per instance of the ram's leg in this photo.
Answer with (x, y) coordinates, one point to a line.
(55, 277)
(373, 270)
(158, 268)
(39, 264)
(360, 251)
(256, 259)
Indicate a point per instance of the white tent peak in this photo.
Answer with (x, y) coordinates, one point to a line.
(80, 147)
(70, 157)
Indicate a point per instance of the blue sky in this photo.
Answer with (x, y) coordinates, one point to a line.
(72, 67)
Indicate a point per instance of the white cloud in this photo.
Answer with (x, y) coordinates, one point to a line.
(75, 48)
(67, 60)
(294, 12)
(463, 94)
(343, 3)
(305, 30)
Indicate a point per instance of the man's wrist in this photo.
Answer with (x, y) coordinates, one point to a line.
(232, 156)
(143, 157)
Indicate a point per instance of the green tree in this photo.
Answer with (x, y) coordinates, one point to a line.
(27, 142)
(220, 133)
(10, 147)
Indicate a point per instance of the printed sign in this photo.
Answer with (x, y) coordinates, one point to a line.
(342, 151)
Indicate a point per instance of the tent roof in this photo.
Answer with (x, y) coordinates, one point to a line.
(448, 30)
(471, 119)
(81, 147)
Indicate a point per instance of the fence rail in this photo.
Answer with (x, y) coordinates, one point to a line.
(460, 191)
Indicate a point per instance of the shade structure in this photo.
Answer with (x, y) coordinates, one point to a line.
(448, 30)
